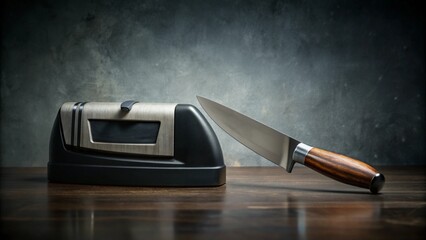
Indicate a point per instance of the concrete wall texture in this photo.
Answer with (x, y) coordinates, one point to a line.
(348, 76)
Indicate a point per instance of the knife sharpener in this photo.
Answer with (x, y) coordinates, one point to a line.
(134, 143)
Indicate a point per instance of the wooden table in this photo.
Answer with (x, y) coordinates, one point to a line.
(256, 203)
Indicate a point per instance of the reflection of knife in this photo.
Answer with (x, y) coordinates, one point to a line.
(286, 151)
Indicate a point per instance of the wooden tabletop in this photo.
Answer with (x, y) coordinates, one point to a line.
(256, 203)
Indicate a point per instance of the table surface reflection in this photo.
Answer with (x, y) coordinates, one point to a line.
(256, 203)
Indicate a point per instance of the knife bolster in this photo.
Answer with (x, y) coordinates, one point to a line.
(301, 152)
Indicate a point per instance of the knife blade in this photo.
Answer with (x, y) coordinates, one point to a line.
(285, 151)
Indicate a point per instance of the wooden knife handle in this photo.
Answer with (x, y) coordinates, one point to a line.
(344, 169)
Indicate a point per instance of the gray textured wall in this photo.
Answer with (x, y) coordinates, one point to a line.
(343, 75)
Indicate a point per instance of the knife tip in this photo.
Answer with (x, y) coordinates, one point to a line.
(200, 99)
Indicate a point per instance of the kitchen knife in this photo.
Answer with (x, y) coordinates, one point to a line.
(286, 151)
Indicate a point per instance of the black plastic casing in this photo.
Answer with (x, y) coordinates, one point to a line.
(197, 160)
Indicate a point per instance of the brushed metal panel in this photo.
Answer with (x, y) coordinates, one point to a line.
(164, 113)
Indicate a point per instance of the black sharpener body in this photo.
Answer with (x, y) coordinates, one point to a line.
(134, 144)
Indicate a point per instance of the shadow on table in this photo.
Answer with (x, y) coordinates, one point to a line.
(37, 179)
(303, 189)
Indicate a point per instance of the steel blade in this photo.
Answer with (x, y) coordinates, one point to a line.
(263, 140)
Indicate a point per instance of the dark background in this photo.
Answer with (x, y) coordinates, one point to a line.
(347, 76)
